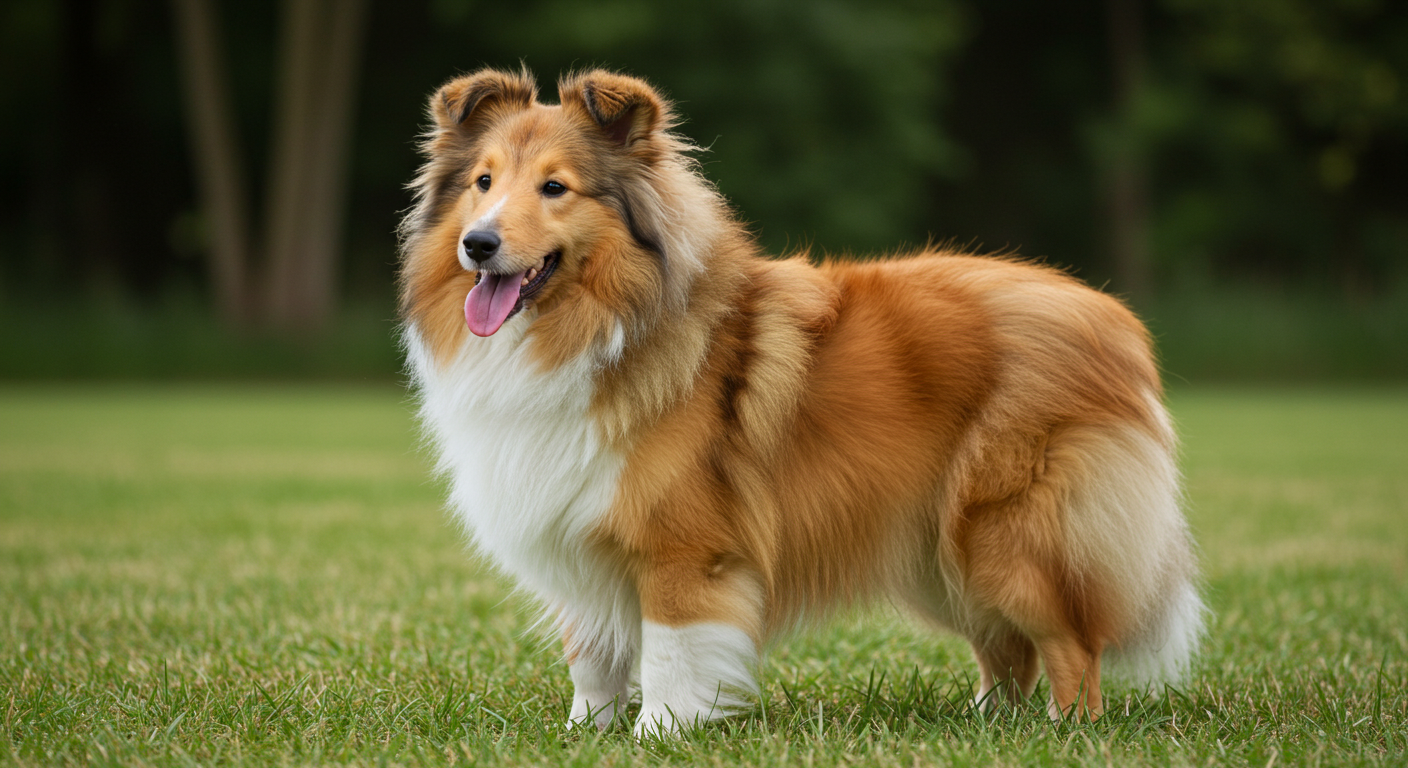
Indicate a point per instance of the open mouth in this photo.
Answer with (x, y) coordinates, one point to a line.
(497, 297)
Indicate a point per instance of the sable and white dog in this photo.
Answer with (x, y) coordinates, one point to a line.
(685, 449)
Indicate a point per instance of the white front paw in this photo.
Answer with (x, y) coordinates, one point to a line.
(586, 709)
(693, 674)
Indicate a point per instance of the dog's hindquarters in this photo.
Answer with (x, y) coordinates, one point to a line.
(1092, 556)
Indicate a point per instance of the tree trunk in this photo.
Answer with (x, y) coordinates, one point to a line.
(1126, 182)
(319, 60)
(216, 154)
(331, 161)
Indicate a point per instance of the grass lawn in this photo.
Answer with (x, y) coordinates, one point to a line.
(195, 574)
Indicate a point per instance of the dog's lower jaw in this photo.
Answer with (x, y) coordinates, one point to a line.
(693, 674)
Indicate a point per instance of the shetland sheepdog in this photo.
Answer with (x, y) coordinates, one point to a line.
(686, 449)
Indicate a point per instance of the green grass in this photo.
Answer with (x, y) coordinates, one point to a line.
(266, 576)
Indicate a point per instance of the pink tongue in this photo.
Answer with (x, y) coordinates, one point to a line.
(491, 302)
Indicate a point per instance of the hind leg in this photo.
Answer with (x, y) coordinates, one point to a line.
(1016, 567)
(1074, 673)
(1037, 606)
(1007, 668)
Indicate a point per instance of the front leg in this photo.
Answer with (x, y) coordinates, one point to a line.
(601, 674)
(702, 621)
(598, 690)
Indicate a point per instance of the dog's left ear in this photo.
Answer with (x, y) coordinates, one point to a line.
(626, 109)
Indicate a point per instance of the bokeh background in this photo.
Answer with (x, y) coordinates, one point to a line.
(202, 189)
(221, 544)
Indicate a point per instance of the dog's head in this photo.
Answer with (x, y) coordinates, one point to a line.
(552, 216)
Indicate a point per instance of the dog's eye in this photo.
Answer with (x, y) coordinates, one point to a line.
(553, 189)
(484, 182)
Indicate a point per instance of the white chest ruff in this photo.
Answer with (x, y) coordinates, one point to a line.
(529, 475)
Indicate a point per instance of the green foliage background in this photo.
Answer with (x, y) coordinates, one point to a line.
(1273, 135)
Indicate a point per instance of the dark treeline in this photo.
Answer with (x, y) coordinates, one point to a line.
(1154, 145)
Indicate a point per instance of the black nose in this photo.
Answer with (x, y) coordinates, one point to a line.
(481, 244)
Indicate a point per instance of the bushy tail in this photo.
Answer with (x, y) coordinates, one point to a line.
(1126, 527)
(1163, 652)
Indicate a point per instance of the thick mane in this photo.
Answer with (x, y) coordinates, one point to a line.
(656, 310)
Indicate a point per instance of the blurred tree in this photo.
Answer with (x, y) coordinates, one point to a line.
(1269, 134)
(1032, 81)
(1280, 129)
(822, 120)
(318, 65)
(86, 188)
(306, 194)
(218, 161)
(1272, 137)
(86, 84)
(1126, 179)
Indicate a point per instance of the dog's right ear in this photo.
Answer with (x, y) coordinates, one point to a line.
(464, 101)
